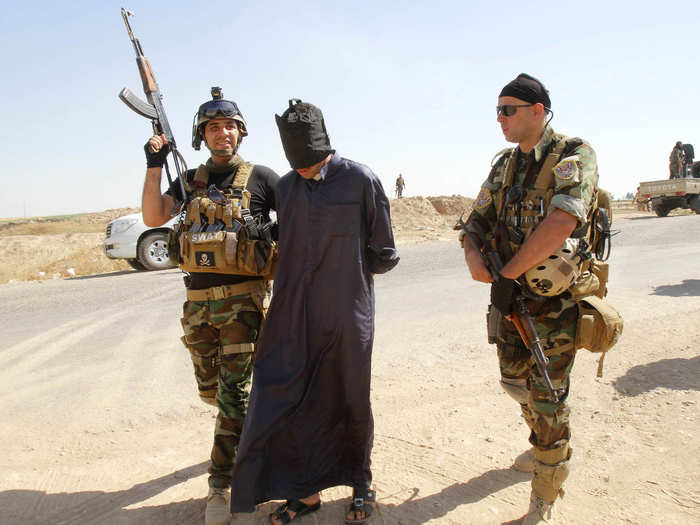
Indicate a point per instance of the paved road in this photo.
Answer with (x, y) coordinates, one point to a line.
(128, 321)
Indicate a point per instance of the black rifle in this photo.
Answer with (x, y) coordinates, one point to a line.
(153, 109)
(519, 316)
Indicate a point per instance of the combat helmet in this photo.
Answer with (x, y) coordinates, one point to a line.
(559, 271)
(217, 107)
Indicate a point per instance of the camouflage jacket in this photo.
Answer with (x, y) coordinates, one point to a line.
(573, 190)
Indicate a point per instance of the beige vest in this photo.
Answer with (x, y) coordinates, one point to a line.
(227, 247)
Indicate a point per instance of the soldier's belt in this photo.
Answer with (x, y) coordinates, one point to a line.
(217, 293)
(240, 348)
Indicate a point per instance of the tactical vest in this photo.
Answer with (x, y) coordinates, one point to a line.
(218, 233)
(599, 324)
(517, 220)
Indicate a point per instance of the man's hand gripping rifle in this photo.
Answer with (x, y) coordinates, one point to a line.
(519, 314)
(153, 109)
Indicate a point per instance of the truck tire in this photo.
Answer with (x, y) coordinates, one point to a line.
(153, 251)
(136, 265)
(694, 203)
(661, 211)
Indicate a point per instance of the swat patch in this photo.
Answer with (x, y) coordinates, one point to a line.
(205, 259)
(567, 170)
(483, 200)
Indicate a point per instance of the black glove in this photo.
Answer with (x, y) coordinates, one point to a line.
(156, 160)
(502, 293)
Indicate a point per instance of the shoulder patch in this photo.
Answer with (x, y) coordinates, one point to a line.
(483, 200)
(567, 169)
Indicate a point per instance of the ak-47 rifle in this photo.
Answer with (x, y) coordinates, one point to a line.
(153, 109)
(519, 316)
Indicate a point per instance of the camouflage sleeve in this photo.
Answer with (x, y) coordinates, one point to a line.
(483, 217)
(575, 182)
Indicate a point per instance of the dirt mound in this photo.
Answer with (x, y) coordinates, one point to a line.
(59, 224)
(41, 248)
(453, 206)
(416, 218)
(103, 217)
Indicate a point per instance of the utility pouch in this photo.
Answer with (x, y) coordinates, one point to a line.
(587, 284)
(205, 251)
(255, 256)
(593, 281)
(228, 252)
(599, 325)
(494, 322)
(601, 271)
(230, 247)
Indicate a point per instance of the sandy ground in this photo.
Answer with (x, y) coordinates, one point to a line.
(445, 437)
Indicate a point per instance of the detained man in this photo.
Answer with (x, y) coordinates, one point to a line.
(309, 424)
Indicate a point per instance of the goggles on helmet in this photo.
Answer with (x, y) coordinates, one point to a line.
(216, 108)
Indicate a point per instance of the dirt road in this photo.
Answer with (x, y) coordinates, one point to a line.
(101, 424)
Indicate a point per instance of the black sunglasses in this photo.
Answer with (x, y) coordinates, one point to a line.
(509, 110)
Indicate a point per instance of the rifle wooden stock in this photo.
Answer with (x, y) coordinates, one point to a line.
(149, 82)
(153, 109)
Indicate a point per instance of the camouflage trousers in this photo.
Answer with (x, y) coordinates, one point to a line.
(221, 335)
(548, 421)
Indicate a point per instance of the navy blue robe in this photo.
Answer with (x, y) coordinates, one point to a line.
(309, 424)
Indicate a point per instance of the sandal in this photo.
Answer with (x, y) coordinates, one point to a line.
(299, 508)
(362, 500)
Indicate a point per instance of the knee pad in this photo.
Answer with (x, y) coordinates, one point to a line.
(517, 389)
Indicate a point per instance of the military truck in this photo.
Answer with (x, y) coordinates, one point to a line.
(669, 194)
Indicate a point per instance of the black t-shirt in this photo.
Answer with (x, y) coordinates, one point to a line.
(261, 185)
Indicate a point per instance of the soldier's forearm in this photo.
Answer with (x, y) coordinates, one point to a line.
(544, 241)
(154, 206)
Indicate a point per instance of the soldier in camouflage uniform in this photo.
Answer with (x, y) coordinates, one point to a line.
(535, 197)
(224, 310)
(400, 185)
(676, 161)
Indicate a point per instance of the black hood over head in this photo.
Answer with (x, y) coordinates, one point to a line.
(303, 133)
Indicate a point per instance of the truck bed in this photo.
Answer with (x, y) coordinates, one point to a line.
(668, 188)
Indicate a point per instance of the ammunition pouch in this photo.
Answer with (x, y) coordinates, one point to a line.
(599, 325)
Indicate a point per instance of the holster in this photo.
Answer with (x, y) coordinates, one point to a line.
(494, 324)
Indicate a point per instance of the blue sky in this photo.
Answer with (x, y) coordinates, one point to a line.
(405, 87)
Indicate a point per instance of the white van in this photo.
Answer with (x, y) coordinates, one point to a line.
(144, 248)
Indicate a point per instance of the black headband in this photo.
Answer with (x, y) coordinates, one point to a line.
(527, 89)
(303, 133)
